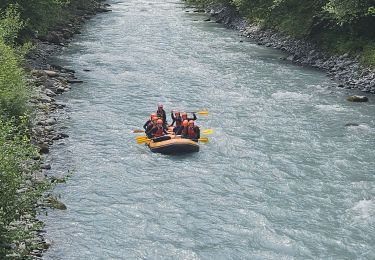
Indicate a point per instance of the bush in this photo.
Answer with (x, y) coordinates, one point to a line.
(15, 149)
(13, 89)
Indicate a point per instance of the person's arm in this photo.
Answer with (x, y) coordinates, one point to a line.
(151, 131)
(198, 132)
(173, 118)
(164, 117)
(145, 125)
(194, 117)
(149, 127)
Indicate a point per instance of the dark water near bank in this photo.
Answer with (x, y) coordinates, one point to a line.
(281, 178)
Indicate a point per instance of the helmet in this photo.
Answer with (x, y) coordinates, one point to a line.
(160, 106)
(155, 118)
(185, 123)
(191, 122)
(184, 114)
(153, 115)
(177, 113)
(160, 121)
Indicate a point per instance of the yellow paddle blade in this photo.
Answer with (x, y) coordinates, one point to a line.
(203, 140)
(208, 131)
(138, 131)
(202, 113)
(138, 138)
(143, 141)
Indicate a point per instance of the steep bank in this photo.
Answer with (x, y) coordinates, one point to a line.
(23, 237)
(349, 71)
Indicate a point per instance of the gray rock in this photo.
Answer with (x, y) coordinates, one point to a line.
(51, 73)
(351, 124)
(43, 149)
(290, 58)
(23, 190)
(50, 121)
(45, 99)
(46, 167)
(60, 105)
(49, 92)
(74, 81)
(60, 90)
(357, 98)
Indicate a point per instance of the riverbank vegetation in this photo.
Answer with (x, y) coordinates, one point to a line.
(20, 22)
(15, 146)
(337, 26)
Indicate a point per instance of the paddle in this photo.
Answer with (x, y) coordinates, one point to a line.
(202, 113)
(144, 139)
(203, 140)
(206, 132)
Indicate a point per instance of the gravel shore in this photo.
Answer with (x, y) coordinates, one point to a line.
(344, 69)
(47, 81)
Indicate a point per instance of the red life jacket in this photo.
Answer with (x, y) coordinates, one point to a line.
(159, 132)
(191, 133)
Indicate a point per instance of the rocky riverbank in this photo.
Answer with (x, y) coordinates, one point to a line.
(343, 69)
(47, 81)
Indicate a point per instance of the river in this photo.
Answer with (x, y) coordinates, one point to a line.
(282, 177)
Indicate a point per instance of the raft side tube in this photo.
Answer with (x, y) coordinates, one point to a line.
(174, 146)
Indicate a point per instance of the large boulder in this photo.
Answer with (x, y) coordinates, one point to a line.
(357, 98)
(51, 73)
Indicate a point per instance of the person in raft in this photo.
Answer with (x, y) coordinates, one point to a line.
(161, 113)
(185, 117)
(183, 127)
(178, 119)
(191, 131)
(157, 130)
(150, 126)
(149, 122)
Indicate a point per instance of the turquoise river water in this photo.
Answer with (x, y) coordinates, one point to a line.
(281, 178)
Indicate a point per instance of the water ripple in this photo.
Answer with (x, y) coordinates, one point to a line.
(281, 178)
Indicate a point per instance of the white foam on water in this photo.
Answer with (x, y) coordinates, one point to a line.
(286, 95)
(325, 108)
(365, 127)
(364, 210)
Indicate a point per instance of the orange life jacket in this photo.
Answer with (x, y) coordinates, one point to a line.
(191, 132)
(159, 132)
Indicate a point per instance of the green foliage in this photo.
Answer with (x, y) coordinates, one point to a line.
(15, 149)
(13, 89)
(368, 54)
(39, 15)
(339, 26)
(349, 11)
(10, 24)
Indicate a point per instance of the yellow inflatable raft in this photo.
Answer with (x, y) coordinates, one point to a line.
(173, 145)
